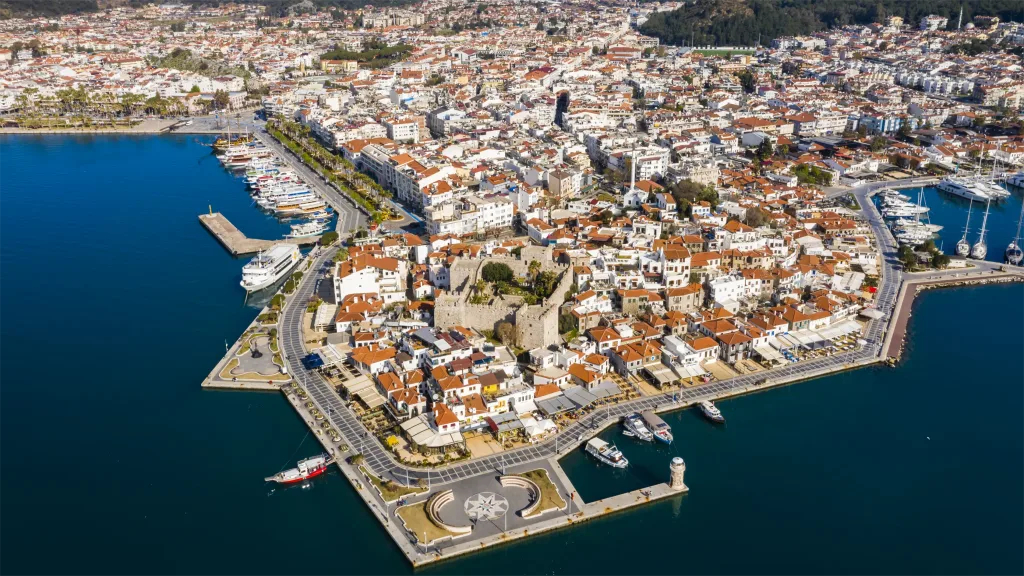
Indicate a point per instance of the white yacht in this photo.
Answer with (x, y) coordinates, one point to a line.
(965, 188)
(1016, 180)
(1014, 254)
(307, 229)
(606, 453)
(269, 267)
(980, 249)
(711, 412)
(963, 247)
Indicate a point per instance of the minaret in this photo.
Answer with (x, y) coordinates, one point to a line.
(961, 19)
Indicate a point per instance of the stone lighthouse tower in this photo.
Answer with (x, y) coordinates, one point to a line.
(676, 470)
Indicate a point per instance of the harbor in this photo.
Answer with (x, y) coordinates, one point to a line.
(243, 438)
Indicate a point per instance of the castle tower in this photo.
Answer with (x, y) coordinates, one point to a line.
(676, 470)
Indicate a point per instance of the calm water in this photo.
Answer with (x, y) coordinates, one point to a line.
(113, 460)
(951, 212)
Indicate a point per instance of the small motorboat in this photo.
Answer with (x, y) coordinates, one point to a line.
(711, 412)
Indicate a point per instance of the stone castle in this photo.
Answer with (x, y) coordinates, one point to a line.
(536, 325)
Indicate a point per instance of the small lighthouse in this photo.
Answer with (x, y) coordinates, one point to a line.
(676, 470)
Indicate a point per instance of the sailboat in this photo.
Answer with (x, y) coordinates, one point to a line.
(979, 250)
(1014, 254)
(963, 247)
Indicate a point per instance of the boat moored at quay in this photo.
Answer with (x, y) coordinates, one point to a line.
(606, 453)
(269, 267)
(661, 430)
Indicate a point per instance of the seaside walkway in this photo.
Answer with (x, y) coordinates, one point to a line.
(238, 244)
(381, 463)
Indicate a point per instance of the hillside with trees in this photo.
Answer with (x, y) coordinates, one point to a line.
(742, 22)
(29, 8)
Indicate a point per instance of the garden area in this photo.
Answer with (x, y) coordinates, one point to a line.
(498, 279)
(389, 489)
(417, 522)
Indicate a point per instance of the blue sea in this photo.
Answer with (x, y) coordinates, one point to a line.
(115, 304)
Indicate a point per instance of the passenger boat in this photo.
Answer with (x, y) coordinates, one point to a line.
(606, 453)
(711, 412)
(269, 267)
(662, 431)
(635, 428)
(307, 229)
(304, 470)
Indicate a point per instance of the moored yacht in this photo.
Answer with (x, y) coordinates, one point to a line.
(269, 267)
(964, 188)
(606, 453)
(635, 428)
(1014, 253)
(980, 249)
(661, 430)
(711, 412)
(307, 229)
(963, 247)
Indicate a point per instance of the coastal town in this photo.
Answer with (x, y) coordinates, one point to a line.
(529, 222)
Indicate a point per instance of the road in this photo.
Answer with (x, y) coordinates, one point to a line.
(350, 217)
(381, 463)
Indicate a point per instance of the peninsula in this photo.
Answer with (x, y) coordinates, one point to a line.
(531, 223)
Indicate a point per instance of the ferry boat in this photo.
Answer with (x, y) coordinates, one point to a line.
(307, 229)
(606, 453)
(269, 267)
(635, 428)
(711, 412)
(662, 431)
(304, 470)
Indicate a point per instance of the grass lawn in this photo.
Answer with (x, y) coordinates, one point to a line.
(391, 491)
(415, 518)
(550, 499)
(273, 345)
(226, 372)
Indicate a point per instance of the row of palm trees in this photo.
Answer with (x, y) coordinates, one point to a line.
(98, 107)
(341, 168)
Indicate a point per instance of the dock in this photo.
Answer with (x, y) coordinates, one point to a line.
(239, 244)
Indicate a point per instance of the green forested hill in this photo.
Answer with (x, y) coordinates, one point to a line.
(17, 8)
(741, 22)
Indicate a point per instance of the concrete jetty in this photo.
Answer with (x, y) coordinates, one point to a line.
(239, 244)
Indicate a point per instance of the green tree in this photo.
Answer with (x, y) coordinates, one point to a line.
(221, 100)
(497, 272)
(505, 332)
(879, 143)
(328, 238)
(194, 89)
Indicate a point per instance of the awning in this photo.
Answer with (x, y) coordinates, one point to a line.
(579, 396)
(423, 434)
(555, 405)
(330, 355)
(768, 353)
(605, 389)
(524, 407)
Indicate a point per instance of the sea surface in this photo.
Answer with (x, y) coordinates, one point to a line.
(115, 304)
(951, 212)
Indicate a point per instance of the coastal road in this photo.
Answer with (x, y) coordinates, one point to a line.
(382, 464)
(350, 217)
